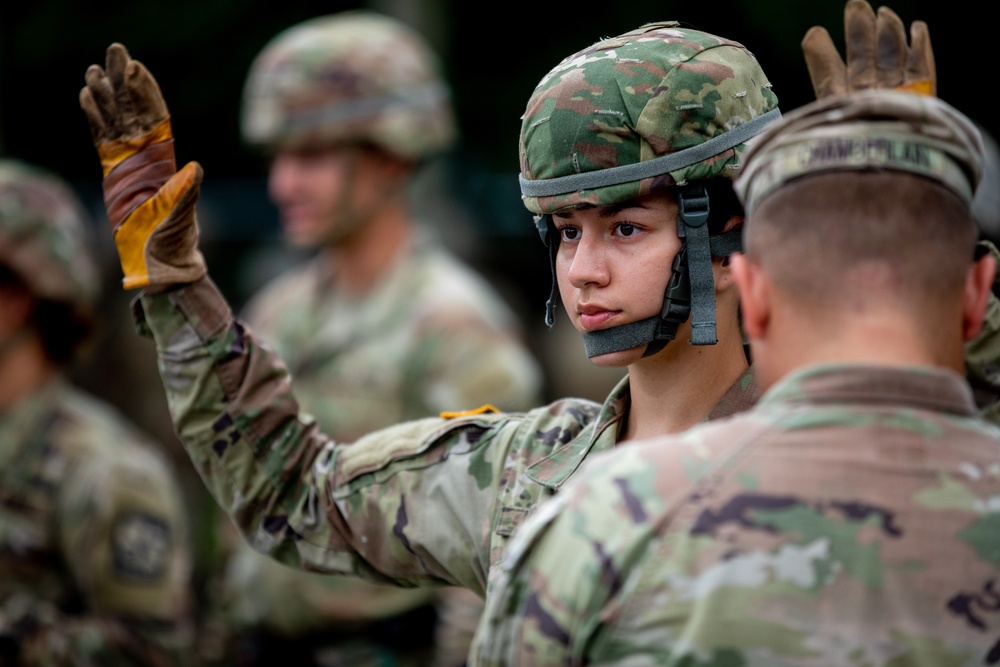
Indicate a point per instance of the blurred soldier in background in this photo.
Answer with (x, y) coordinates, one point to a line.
(382, 325)
(94, 552)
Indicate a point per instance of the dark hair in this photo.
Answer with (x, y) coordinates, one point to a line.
(723, 203)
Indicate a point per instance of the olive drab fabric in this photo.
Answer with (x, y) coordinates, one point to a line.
(920, 135)
(782, 536)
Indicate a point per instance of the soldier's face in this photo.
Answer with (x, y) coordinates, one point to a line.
(614, 262)
(319, 192)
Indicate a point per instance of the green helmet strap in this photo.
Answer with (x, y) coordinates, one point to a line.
(691, 225)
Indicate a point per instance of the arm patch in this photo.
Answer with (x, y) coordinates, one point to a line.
(140, 546)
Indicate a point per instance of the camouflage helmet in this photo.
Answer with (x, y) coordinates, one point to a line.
(44, 238)
(353, 76)
(655, 107)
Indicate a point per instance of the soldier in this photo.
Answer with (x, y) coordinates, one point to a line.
(382, 325)
(628, 148)
(94, 550)
(850, 516)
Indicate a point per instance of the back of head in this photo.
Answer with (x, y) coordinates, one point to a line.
(870, 191)
(44, 244)
(355, 77)
(655, 108)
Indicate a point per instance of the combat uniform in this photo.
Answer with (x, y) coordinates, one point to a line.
(431, 336)
(94, 559)
(806, 531)
(428, 501)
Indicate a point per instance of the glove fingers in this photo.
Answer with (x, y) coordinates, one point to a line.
(826, 68)
(892, 49)
(116, 58)
(98, 102)
(920, 67)
(860, 28)
(95, 119)
(144, 95)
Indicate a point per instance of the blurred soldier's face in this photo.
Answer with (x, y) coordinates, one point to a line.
(324, 195)
(614, 263)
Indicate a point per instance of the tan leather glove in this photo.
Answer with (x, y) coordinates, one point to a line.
(151, 205)
(877, 54)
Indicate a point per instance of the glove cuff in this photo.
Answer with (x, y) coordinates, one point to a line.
(136, 179)
(112, 153)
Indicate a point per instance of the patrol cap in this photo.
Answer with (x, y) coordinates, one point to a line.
(353, 76)
(657, 106)
(877, 130)
(44, 235)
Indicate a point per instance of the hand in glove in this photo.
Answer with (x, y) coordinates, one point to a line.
(151, 205)
(877, 54)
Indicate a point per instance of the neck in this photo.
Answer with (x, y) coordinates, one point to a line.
(678, 388)
(369, 253)
(886, 339)
(24, 367)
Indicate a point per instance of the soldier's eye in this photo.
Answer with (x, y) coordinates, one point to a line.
(569, 233)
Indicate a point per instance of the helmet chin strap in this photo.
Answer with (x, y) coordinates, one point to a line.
(690, 292)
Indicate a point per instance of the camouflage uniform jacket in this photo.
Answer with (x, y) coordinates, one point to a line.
(431, 335)
(94, 556)
(851, 518)
(428, 501)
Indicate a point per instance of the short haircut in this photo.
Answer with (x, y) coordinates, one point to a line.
(823, 237)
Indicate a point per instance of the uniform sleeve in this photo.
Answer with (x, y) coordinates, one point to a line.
(410, 505)
(563, 575)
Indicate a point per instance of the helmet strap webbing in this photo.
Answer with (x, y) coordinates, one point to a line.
(550, 238)
(692, 223)
(691, 288)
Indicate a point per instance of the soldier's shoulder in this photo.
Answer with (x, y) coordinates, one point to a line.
(95, 432)
(427, 441)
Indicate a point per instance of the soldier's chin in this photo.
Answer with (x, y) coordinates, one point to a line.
(302, 234)
(618, 359)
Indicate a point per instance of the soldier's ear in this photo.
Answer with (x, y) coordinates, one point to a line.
(977, 294)
(755, 295)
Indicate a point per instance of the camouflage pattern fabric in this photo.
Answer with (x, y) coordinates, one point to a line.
(430, 501)
(43, 225)
(850, 518)
(432, 336)
(646, 94)
(94, 554)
